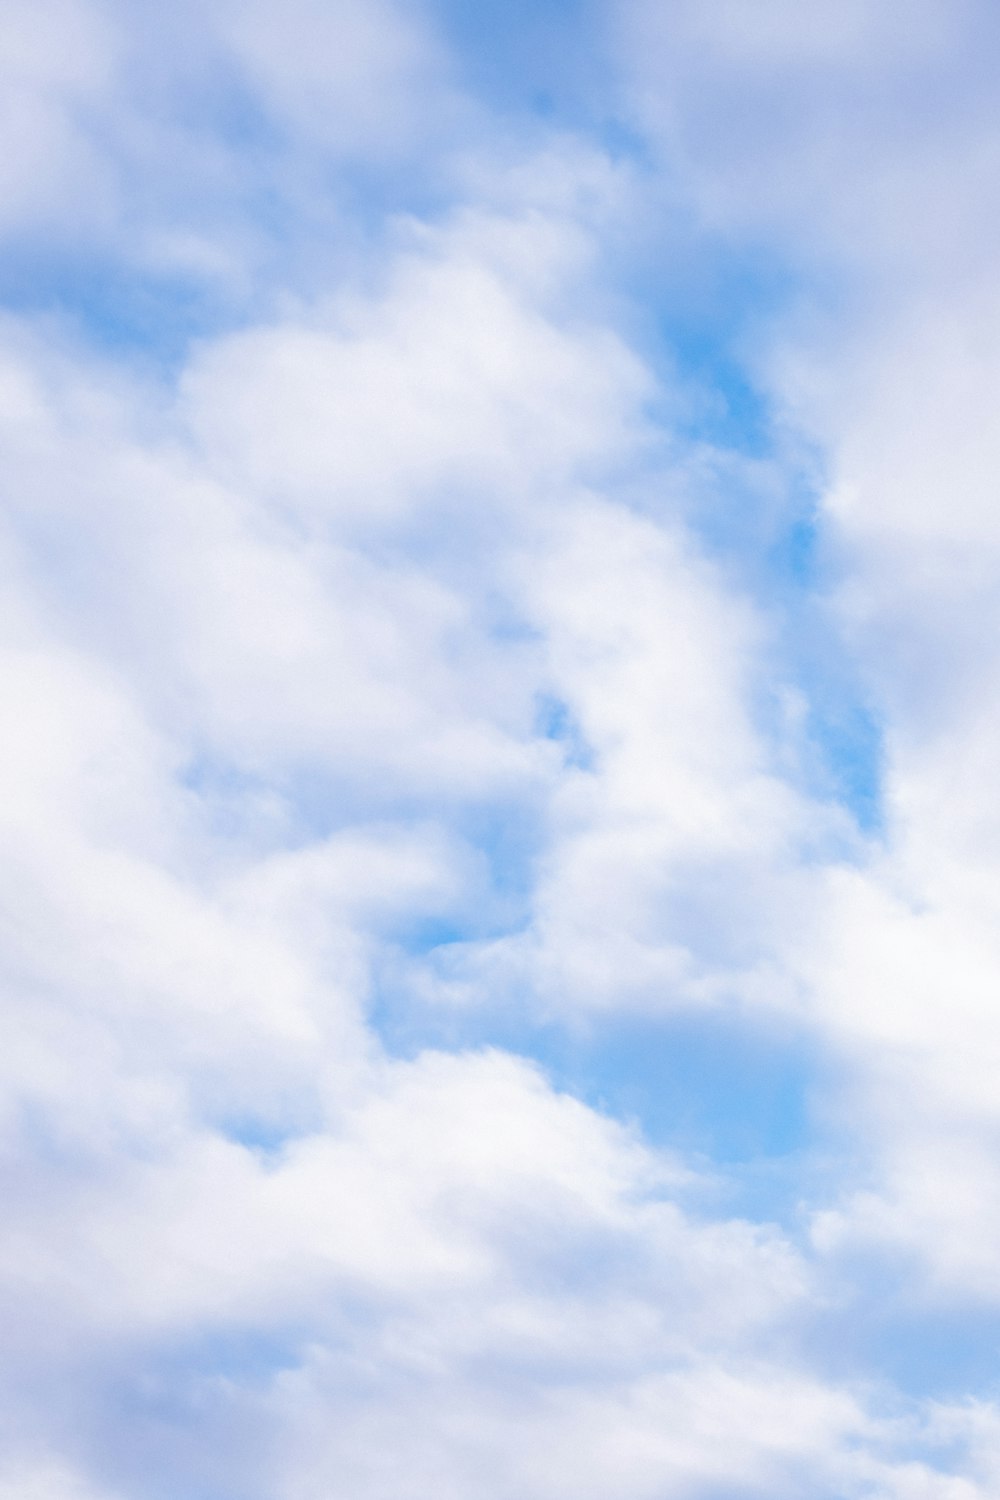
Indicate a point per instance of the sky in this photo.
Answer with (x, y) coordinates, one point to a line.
(500, 556)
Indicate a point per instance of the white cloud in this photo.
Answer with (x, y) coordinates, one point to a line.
(859, 138)
(57, 59)
(863, 141)
(345, 75)
(45, 1481)
(392, 559)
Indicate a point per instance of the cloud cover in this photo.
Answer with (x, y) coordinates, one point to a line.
(497, 666)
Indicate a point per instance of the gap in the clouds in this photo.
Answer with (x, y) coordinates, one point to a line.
(724, 407)
(734, 1095)
(714, 1084)
(944, 1355)
(314, 801)
(532, 57)
(754, 509)
(305, 806)
(821, 709)
(266, 1135)
(753, 503)
(700, 311)
(556, 721)
(849, 740)
(151, 309)
(147, 318)
(927, 1349)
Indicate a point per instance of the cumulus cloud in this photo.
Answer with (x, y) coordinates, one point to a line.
(866, 139)
(376, 689)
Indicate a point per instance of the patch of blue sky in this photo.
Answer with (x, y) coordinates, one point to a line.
(702, 312)
(120, 310)
(506, 839)
(152, 315)
(303, 804)
(707, 1083)
(795, 552)
(839, 755)
(737, 1096)
(756, 510)
(849, 739)
(877, 1330)
(556, 721)
(841, 750)
(261, 243)
(843, 727)
(531, 57)
(267, 1133)
(763, 525)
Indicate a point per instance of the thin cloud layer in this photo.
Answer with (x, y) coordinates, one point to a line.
(464, 551)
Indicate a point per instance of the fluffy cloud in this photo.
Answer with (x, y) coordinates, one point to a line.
(372, 689)
(880, 181)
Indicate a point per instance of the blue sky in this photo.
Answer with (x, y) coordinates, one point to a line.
(500, 887)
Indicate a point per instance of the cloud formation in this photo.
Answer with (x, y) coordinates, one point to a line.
(464, 552)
